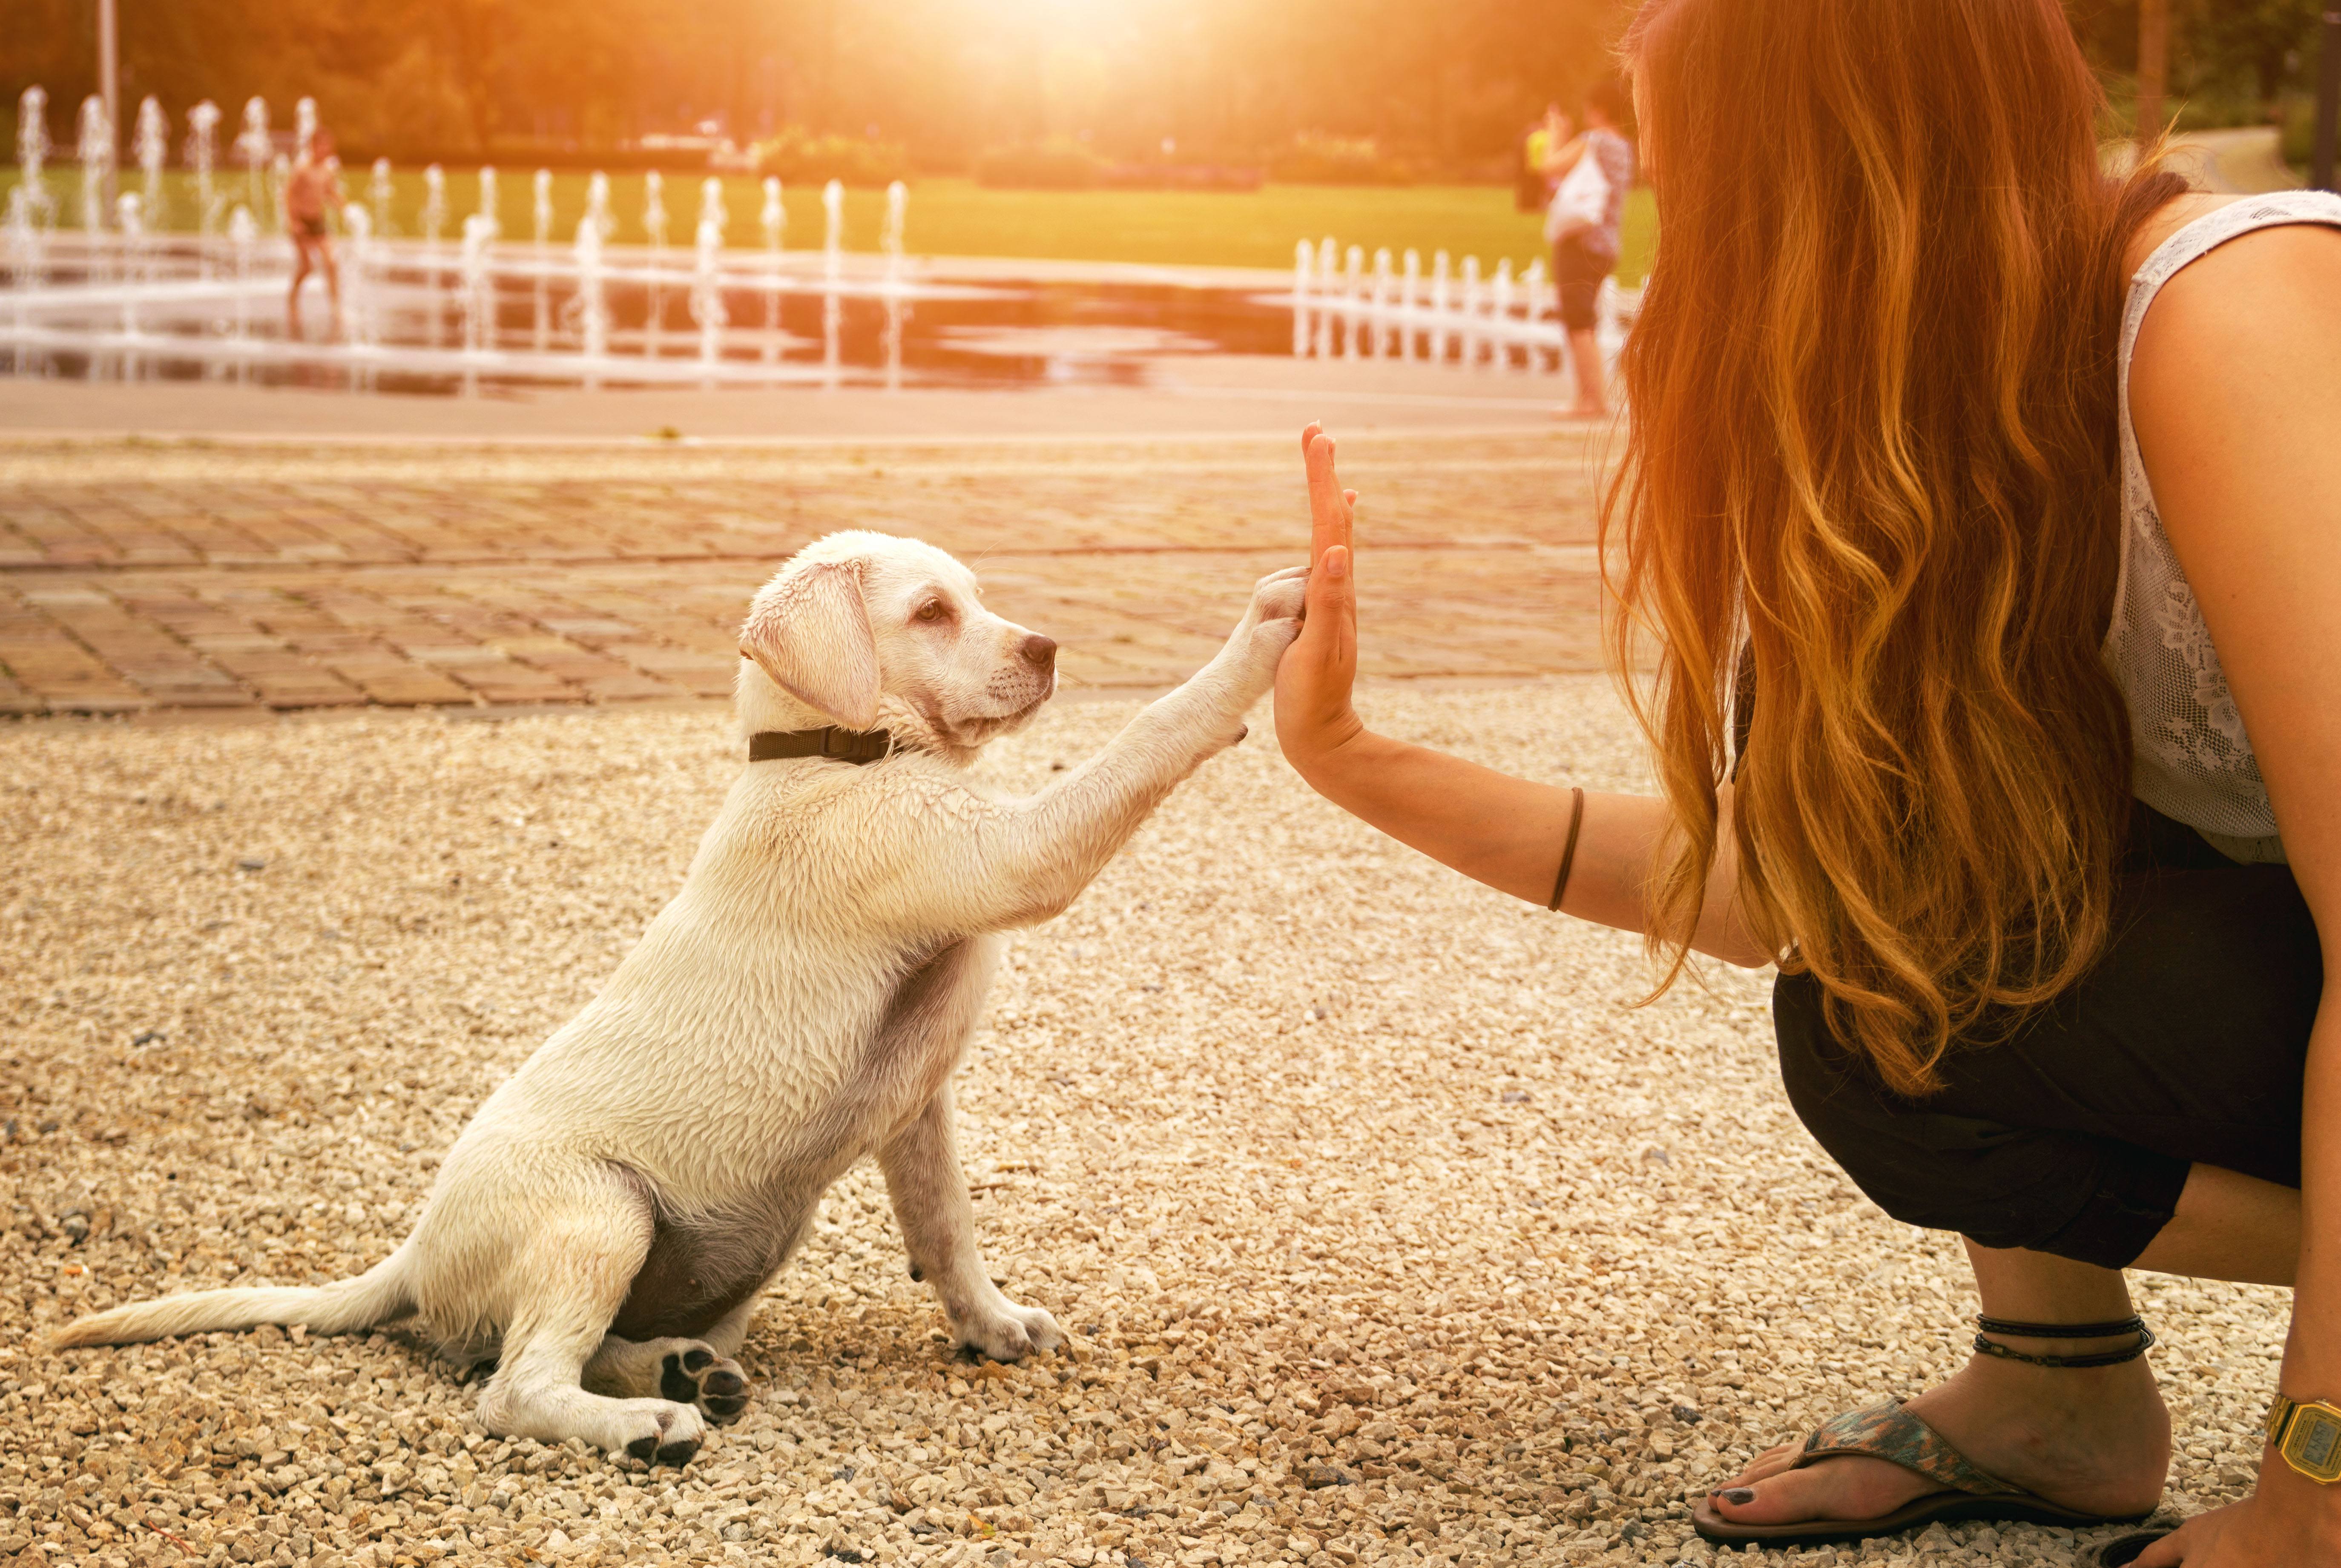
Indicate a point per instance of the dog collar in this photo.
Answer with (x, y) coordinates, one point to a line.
(854, 746)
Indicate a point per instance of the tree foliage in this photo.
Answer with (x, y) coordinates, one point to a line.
(1218, 79)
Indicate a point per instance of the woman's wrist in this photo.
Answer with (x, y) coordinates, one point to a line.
(1323, 750)
(2309, 1508)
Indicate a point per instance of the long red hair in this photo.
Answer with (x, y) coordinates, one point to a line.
(1872, 446)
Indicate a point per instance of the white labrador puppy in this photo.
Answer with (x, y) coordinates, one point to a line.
(604, 1225)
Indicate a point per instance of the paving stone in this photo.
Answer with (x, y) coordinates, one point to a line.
(332, 576)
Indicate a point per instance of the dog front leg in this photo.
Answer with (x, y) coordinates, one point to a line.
(930, 1204)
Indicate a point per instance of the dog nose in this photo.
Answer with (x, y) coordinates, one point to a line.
(1040, 652)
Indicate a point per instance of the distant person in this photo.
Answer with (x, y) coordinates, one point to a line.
(1532, 187)
(313, 188)
(1591, 175)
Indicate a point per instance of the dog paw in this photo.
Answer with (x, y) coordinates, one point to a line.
(660, 1432)
(695, 1374)
(1011, 1333)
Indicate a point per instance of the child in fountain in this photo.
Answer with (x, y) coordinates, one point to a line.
(313, 188)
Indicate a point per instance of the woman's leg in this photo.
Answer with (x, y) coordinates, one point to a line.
(2229, 1226)
(2093, 1141)
(2096, 1438)
(2093, 1438)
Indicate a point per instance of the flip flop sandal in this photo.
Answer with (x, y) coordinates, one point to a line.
(1965, 1493)
(2122, 1549)
(1892, 1433)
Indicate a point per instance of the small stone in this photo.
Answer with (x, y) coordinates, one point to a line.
(251, 863)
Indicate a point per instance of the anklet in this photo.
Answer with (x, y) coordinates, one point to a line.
(2064, 1331)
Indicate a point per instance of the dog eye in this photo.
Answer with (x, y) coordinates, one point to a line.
(932, 609)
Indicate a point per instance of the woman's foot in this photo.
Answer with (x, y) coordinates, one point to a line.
(2097, 1440)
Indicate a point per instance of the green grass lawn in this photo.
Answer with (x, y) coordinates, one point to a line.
(958, 217)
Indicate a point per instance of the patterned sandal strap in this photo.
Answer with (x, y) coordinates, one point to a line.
(1892, 1433)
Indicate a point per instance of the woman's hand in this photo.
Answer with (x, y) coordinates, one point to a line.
(1314, 719)
(2290, 1519)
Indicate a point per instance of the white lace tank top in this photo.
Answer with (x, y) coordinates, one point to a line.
(2194, 761)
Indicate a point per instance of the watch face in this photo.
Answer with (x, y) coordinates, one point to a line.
(2320, 1440)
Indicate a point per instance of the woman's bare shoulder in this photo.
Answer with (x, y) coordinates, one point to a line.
(2167, 220)
(2260, 313)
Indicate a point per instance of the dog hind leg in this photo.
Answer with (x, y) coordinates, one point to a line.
(577, 1267)
(930, 1204)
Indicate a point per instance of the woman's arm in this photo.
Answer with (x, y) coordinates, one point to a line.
(2238, 407)
(1495, 828)
(1561, 156)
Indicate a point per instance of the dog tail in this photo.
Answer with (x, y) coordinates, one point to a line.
(377, 1295)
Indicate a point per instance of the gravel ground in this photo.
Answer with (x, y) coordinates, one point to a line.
(1386, 1229)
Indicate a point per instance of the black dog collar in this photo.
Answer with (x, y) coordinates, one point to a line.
(854, 746)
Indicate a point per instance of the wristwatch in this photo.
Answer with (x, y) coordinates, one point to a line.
(2308, 1436)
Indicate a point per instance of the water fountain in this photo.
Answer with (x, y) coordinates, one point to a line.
(152, 144)
(832, 271)
(1353, 326)
(434, 203)
(27, 258)
(202, 128)
(707, 284)
(280, 174)
(304, 125)
(254, 146)
(1499, 307)
(543, 213)
(1442, 341)
(478, 300)
(1410, 300)
(1532, 287)
(591, 303)
(133, 225)
(1475, 341)
(898, 201)
(358, 276)
(1302, 255)
(654, 232)
(32, 154)
(95, 148)
(776, 233)
(435, 221)
(488, 204)
(597, 205)
(1384, 342)
(242, 232)
(379, 191)
(1326, 258)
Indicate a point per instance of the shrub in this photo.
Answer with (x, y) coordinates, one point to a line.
(1057, 165)
(1316, 159)
(800, 157)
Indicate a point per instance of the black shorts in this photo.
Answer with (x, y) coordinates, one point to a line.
(2186, 1043)
(1577, 271)
(309, 228)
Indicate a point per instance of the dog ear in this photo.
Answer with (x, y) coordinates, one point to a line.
(811, 633)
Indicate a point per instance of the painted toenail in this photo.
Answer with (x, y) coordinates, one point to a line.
(1740, 1494)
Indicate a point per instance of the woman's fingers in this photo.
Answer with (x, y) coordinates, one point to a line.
(1329, 504)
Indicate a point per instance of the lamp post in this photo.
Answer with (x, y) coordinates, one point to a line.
(2153, 66)
(108, 82)
(2328, 98)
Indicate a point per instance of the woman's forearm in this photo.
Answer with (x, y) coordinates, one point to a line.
(2312, 1355)
(1509, 833)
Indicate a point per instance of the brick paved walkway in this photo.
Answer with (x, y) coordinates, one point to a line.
(140, 578)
